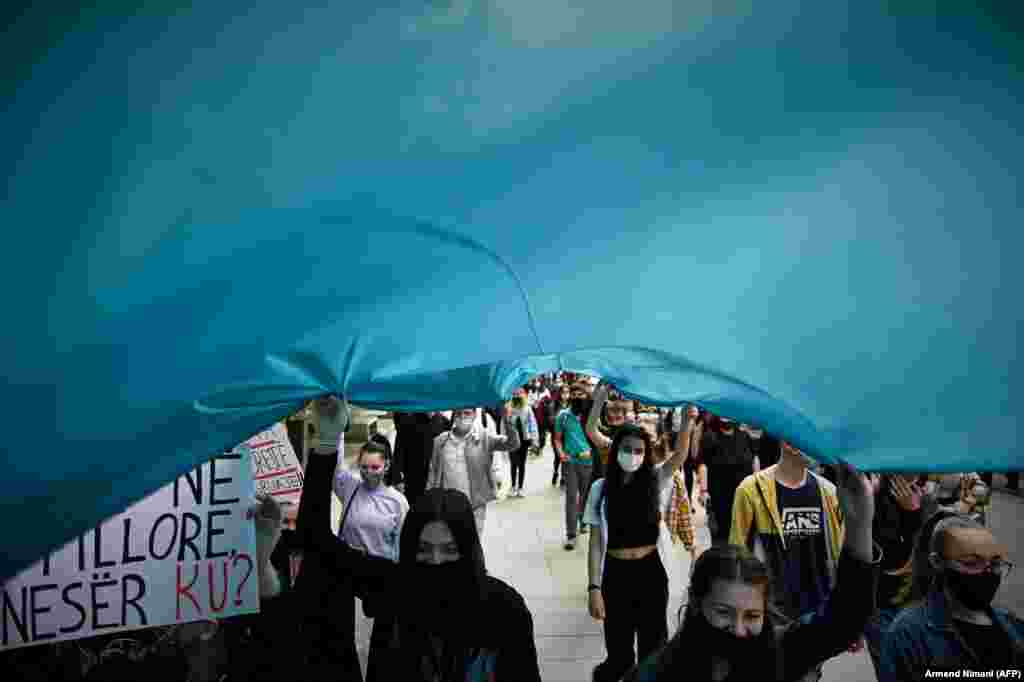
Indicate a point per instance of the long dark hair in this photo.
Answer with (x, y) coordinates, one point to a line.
(454, 509)
(643, 478)
(456, 616)
(378, 444)
(681, 655)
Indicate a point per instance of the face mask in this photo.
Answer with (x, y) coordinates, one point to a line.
(373, 478)
(723, 643)
(518, 402)
(630, 462)
(464, 424)
(442, 587)
(578, 405)
(974, 590)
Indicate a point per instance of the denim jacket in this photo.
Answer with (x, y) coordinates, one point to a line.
(923, 636)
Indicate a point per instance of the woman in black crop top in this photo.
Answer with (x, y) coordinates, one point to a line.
(629, 592)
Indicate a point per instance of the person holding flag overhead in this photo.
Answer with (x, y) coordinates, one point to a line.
(629, 556)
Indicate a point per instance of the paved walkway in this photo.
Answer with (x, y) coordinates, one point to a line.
(523, 546)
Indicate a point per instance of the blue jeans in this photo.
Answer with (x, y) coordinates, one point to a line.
(874, 631)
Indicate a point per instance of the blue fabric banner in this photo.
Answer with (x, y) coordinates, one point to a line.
(803, 215)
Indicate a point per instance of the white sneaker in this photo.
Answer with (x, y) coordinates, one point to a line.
(520, 494)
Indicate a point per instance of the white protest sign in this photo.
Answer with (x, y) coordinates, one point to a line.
(185, 553)
(275, 467)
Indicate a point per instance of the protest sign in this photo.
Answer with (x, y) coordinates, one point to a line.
(185, 553)
(275, 468)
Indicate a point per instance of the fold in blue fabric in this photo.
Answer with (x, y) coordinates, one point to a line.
(802, 215)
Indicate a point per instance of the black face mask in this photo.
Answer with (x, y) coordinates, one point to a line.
(723, 643)
(578, 405)
(975, 591)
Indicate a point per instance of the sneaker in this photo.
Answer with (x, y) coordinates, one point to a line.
(554, 481)
(521, 493)
(570, 543)
(563, 483)
(584, 528)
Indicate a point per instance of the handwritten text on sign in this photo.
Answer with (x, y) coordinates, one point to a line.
(275, 467)
(185, 553)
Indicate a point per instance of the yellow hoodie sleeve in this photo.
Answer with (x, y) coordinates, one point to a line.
(742, 517)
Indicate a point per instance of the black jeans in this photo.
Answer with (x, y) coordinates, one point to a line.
(635, 596)
(518, 461)
(380, 647)
(558, 464)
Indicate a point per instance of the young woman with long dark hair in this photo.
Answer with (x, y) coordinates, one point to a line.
(455, 622)
(629, 553)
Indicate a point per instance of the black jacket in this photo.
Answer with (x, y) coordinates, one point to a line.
(505, 628)
(729, 460)
(414, 445)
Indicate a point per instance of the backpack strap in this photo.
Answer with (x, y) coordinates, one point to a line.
(348, 506)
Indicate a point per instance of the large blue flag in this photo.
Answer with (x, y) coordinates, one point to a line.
(804, 215)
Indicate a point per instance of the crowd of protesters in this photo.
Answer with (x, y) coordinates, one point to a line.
(803, 562)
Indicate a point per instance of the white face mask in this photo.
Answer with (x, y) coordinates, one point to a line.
(465, 423)
(629, 462)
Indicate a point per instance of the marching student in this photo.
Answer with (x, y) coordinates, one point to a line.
(628, 555)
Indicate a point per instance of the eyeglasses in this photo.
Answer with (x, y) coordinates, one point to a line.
(997, 566)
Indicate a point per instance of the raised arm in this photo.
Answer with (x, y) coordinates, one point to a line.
(345, 480)
(602, 441)
(841, 619)
(682, 451)
(313, 526)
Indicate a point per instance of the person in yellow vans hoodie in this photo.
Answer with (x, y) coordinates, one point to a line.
(789, 517)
